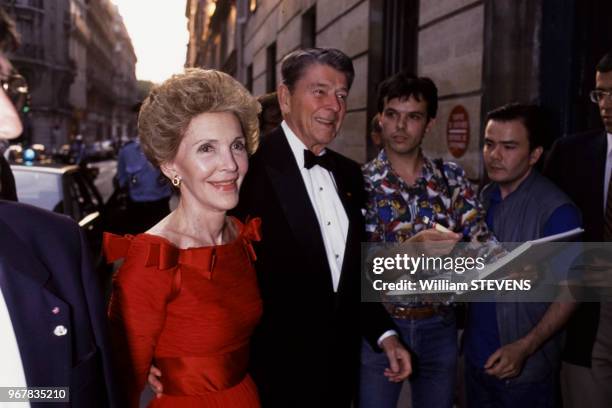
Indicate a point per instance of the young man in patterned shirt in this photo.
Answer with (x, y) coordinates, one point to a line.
(404, 187)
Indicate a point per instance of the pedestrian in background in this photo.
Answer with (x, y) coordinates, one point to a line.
(148, 192)
(54, 137)
(270, 116)
(376, 131)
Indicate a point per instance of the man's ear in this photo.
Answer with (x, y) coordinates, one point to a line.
(535, 155)
(284, 100)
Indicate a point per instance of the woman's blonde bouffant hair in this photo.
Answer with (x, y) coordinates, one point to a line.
(167, 111)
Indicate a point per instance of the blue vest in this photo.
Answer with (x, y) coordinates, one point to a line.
(520, 217)
(144, 181)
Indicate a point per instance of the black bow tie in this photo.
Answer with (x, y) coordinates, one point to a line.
(310, 160)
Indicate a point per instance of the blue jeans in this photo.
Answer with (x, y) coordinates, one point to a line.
(484, 391)
(433, 346)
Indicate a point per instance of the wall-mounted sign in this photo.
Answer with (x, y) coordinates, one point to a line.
(458, 131)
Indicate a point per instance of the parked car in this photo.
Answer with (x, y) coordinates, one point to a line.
(69, 190)
(100, 150)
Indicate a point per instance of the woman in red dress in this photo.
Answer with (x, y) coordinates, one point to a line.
(186, 296)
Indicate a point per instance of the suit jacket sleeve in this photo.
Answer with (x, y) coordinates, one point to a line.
(375, 320)
(99, 323)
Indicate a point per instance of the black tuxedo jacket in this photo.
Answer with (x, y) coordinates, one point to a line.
(305, 352)
(47, 283)
(577, 165)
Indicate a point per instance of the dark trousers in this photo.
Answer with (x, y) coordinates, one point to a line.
(486, 391)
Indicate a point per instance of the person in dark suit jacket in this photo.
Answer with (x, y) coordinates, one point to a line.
(580, 166)
(55, 307)
(305, 353)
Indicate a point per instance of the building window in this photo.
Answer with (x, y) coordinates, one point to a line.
(400, 36)
(271, 68)
(249, 78)
(309, 28)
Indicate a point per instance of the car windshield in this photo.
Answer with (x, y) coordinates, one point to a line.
(42, 190)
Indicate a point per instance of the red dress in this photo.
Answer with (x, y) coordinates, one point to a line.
(191, 312)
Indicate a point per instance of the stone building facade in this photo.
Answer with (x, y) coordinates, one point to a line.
(111, 79)
(80, 67)
(212, 35)
(480, 53)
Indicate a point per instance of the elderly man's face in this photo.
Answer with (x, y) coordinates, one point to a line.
(603, 82)
(317, 106)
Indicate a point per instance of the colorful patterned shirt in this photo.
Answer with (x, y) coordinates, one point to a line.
(395, 210)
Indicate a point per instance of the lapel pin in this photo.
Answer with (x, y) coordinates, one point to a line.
(60, 330)
(55, 310)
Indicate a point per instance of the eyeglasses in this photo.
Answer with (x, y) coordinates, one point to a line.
(14, 84)
(598, 95)
(16, 88)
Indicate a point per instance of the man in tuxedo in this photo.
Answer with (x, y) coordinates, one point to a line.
(305, 352)
(52, 316)
(581, 166)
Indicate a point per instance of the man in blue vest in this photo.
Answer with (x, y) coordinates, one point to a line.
(148, 191)
(512, 350)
